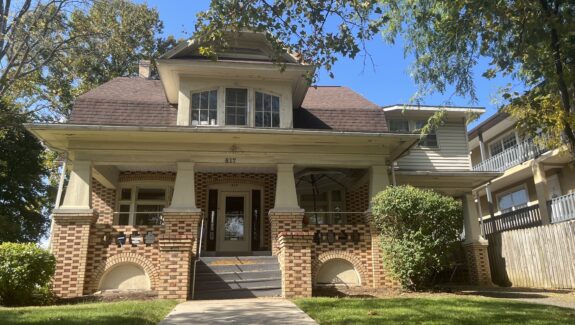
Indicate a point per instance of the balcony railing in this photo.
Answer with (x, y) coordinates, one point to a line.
(562, 208)
(510, 157)
(521, 218)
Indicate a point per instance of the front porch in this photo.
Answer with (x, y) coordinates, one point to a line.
(144, 227)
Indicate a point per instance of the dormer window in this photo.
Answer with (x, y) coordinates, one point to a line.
(236, 106)
(204, 108)
(267, 110)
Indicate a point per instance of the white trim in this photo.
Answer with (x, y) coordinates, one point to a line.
(134, 186)
(458, 109)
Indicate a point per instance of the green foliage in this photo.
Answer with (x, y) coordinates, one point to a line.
(23, 194)
(110, 38)
(532, 41)
(25, 270)
(419, 230)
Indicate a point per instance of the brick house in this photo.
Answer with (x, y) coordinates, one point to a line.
(229, 177)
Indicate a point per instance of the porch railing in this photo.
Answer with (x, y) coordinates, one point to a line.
(562, 208)
(513, 156)
(522, 218)
(333, 217)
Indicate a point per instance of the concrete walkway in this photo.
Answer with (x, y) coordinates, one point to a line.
(238, 311)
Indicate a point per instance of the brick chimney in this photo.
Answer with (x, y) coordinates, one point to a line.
(144, 69)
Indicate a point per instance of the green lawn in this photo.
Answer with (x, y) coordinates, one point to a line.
(122, 312)
(436, 310)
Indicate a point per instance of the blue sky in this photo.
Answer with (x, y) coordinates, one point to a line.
(388, 82)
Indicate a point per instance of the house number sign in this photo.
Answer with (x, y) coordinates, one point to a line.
(230, 160)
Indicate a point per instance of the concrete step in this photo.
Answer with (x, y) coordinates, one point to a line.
(239, 293)
(222, 276)
(237, 284)
(212, 268)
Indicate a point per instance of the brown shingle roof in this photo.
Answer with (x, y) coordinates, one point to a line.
(137, 101)
(340, 109)
(125, 101)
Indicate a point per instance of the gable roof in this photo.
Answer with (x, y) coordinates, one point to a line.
(338, 108)
(142, 102)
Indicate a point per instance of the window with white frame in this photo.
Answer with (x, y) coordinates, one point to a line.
(399, 125)
(142, 205)
(513, 200)
(204, 108)
(267, 110)
(236, 106)
(504, 143)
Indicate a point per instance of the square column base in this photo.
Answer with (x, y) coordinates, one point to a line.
(477, 256)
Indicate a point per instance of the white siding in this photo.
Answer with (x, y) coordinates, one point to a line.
(452, 154)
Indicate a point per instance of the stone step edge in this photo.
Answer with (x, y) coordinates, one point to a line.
(241, 281)
(241, 289)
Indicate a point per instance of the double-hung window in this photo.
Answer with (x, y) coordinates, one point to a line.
(204, 107)
(236, 106)
(142, 205)
(430, 140)
(267, 110)
(399, 126)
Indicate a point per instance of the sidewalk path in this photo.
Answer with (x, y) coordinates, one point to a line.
(238, 311)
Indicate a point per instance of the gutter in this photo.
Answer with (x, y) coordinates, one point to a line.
(198, 129)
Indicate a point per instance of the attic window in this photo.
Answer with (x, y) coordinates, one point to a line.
(267, 110)
(204, 107)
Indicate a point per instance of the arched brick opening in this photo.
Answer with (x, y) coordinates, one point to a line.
(331, 255)
(121, 258)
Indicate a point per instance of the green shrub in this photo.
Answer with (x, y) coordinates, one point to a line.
(25, 273)
(419, 231)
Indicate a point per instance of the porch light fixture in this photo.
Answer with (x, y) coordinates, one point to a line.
(317, 237)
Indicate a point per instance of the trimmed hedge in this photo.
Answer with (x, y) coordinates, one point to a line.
(419, 231)
(25, 273)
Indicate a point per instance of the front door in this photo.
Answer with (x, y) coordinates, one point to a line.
(235, 223)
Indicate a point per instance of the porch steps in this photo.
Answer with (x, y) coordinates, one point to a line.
(237, 277)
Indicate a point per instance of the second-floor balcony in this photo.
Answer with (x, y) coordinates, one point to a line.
(510, 157)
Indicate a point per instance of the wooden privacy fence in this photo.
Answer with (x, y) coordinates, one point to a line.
(540, 257)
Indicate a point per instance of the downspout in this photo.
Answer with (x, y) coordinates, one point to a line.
(403, 153)
(58, 198)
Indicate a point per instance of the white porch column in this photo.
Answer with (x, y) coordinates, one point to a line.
(184, 197)
(471, 220)
(378, 180)
(542, 191)
(79, 189)
(286, 196)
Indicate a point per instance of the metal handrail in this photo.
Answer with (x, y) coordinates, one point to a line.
(329, 214)
(198, 256)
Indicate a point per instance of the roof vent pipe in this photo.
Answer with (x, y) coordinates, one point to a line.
(144, 69)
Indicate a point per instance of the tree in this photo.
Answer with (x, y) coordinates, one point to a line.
(533, 41)
(419, 232)
(120, 34)
(23, 191)
(30, 36)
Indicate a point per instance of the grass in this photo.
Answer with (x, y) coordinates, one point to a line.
(436, 310)
(123, 312)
